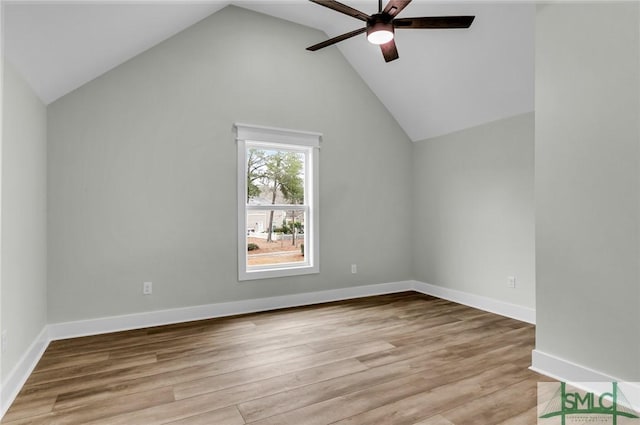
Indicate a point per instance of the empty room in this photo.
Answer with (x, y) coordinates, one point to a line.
(314, 212)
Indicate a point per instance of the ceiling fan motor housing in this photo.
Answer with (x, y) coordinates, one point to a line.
(380, 22)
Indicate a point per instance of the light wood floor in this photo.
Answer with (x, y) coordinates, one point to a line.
(388, 360)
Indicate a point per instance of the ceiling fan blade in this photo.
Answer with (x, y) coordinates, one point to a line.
(395, 6)
(434, 22)
(335, 40)
(342, 8)
(389, 51)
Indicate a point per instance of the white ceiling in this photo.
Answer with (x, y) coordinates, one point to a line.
(444, 81)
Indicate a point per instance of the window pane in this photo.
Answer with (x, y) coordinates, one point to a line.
(283, 245)
(275, 176)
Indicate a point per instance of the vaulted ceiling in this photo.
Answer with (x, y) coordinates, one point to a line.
(444, 81)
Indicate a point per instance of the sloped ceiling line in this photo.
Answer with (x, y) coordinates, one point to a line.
(445, 80)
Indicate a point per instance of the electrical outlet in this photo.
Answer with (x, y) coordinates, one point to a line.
(354, 268)
(147, 288)
(511, 281)
(4, 341)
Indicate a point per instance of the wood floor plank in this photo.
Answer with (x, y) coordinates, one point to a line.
(388, 331)
(214, 376)
(243, 376)
(393, 401)
(83, 414)
(407, 410)
(497, 406)
(228, 416)
(172, 412)
(87, 369)
(436, 420)
(195, 366)
(26, 408)
(277, 384)
(50, 363)
(527, 417)
(397, 359)
(335, 409)
(428, 365)
(317, 393)
(317, 334)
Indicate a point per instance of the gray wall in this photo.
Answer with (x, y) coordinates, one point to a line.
(24, 308)
(142, 179)
(587, 187)
(474, 214)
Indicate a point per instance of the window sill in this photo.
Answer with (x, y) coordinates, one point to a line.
(275, 273)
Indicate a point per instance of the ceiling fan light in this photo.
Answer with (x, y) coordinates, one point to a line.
(380, 33)
(380, 37)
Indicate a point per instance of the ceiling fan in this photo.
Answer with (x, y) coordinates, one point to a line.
(380, 26)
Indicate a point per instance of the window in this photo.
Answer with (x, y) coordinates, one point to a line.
(277, 202)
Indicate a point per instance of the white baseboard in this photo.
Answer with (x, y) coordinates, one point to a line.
(164, 317)
(18, 376)
(524, 314)
(582, 377)
(210, 311)
(564, 370)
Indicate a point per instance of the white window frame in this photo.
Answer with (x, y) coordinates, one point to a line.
(279, 138)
